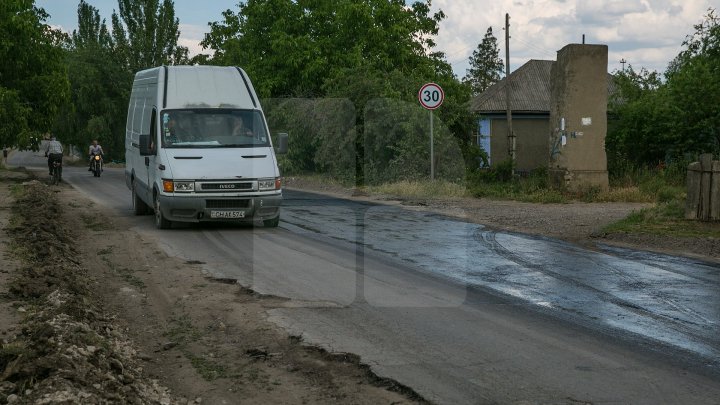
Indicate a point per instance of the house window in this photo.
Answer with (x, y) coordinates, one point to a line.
(483, 136)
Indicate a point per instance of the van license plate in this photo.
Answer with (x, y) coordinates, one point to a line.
(227, 214)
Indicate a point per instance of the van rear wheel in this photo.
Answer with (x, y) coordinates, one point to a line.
(160, 221)
(139, 206)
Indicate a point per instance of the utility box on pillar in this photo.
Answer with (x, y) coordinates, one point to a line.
(578, 117)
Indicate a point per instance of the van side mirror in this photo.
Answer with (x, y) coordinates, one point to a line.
(146, 147)
(282, 143)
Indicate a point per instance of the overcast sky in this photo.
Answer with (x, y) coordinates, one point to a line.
(645, 33)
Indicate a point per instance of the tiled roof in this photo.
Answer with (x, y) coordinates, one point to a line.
(529, 88)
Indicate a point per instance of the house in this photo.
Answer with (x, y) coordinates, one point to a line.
(530, 94)
(530, 105)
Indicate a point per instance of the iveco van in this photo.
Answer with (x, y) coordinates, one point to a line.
(197, 148)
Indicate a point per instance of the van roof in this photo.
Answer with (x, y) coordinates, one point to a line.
(209, 87)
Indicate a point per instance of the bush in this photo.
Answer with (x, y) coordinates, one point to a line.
(668, 193)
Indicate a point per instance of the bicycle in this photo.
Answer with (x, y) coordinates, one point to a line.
(56, 171)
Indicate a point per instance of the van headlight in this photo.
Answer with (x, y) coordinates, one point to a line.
(184, 186)
(268, 184)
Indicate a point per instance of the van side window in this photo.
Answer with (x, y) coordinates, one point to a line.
(153, 131)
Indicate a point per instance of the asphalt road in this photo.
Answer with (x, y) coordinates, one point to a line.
(457, 312)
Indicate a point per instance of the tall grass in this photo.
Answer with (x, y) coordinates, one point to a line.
(420, 189)
(664, 219)
(628, 183)
(661, 183)
(664, 185)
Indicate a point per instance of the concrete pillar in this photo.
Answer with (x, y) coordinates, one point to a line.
(692, 204)
(578, 117)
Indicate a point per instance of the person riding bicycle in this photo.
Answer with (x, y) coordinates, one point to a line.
(54, 152)
(94, 149)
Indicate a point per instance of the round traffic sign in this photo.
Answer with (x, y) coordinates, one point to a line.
(431, 96)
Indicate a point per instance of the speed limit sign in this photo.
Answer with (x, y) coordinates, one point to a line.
(431, 96)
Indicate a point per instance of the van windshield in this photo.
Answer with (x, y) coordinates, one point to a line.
(213, 128)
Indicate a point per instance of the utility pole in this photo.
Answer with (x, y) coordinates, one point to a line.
(623, 62)
(511, 134)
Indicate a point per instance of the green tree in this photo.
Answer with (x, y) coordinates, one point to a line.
(653, 120)
(102, 63)
(359, 50)
(145, 33)
(33, 80)
(486, 66)
(99, 87)
(291, 47)
(694, 88)
(640, 127)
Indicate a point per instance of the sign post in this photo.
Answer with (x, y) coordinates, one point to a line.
(431, 96)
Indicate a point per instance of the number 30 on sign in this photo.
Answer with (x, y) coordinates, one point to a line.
(431, 96)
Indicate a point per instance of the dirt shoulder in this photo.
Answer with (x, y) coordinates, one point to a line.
(577, 222)
(115, 320)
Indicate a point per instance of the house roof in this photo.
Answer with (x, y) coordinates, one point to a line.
(529, 87)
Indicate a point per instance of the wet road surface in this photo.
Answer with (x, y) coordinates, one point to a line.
(675, 301)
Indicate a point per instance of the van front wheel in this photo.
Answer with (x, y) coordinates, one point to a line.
(160, 221)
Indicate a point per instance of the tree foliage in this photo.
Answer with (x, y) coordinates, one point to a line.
(354, 50)
(486, 66)
(101, 65)
(146, 32)
(290, 47)
(694, 87)
(33, 80)
(653, 121)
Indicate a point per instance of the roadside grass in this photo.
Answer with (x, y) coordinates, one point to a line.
(664, 219)
(93, 223)
(125, 273)
(631, 186)
(663, 186)
(184, 334)
(209, 368)
(419, 189)
(533, 189)
(16, 190)
(319, 180)
(182, 331)
(128, 276)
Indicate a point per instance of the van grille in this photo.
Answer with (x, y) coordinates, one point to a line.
(227, 203)
(245, 186)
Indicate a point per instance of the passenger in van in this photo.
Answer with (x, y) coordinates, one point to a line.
(240, 129)
(175, 131)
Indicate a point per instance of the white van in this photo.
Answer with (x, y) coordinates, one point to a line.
(197, 147)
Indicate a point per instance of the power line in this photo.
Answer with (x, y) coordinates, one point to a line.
(537, 48)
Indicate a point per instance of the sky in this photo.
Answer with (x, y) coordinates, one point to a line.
(644, 33)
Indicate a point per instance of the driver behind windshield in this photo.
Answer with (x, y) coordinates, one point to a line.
(175, 129)
(239, 127)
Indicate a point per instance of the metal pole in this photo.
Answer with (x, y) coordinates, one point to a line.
(511, 134)
(432, 149)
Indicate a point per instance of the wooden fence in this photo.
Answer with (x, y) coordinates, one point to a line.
(703, 189)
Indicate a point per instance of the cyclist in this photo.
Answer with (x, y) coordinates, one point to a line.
(54, 152)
